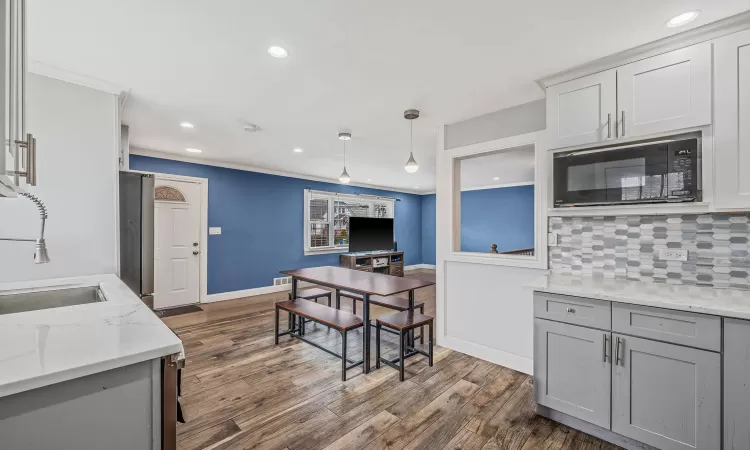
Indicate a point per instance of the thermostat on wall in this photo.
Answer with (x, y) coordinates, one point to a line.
(214, 230)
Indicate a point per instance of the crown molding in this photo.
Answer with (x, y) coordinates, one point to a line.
(687, 38)
(248, 168)
(57, 73)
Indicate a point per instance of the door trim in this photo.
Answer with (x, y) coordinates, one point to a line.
(203, 263)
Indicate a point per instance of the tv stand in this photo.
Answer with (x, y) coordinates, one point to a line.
(387, 262)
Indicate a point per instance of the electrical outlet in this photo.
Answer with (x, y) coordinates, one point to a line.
(553, 239)
(673, 254)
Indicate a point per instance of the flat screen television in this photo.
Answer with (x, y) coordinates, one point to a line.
(367, 234)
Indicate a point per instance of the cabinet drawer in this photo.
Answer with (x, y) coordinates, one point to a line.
(576, 310)
(678, 327)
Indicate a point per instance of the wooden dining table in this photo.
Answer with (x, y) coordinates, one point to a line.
(360, 282)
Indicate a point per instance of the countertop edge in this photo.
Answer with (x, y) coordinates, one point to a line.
(41, 381)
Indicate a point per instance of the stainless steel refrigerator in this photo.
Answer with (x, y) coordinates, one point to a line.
(137, 234)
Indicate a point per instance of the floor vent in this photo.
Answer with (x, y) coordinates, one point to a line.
(282, 281)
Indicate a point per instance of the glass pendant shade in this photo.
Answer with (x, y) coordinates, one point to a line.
(344, 178)
(411, 165)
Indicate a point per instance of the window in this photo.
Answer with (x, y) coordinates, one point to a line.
(497, 202)
(327, 218)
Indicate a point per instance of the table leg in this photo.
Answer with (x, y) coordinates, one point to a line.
(294, 297)
(366, 332)
(338, 298)
(411, 308)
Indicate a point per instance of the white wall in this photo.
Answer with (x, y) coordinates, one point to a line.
(77, 131)
(483, 308)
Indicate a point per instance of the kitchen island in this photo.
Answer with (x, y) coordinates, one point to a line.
(94, 375)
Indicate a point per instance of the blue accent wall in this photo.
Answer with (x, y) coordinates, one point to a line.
(502, 216)
(261, 218)
(428, 229)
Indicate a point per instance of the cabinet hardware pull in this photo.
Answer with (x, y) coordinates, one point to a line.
(196, 252)
(605, 347)
(609, 126)
(622, 128)
(570, 310)
(618, 352)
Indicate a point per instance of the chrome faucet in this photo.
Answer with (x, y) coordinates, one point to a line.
(40, 254)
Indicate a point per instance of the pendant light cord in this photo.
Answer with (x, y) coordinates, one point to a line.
(411, 137)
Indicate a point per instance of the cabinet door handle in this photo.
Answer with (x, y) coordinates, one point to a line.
(622, 128)
(618, 354)
(605, 347)
(609, 126)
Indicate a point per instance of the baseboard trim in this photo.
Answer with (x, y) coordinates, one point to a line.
(420, 266)
(505, 359)
(245, 293)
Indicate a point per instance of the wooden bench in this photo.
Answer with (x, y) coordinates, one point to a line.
(402, 323)
(313, 294)
(391, 302)
(302, 309)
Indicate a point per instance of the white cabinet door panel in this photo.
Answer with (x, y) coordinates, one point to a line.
(665, 93)
(666, 395)
(732, 121)
(572, 370)
(582, 111)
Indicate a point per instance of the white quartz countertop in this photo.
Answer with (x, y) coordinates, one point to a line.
(39, 348)
(719, 302)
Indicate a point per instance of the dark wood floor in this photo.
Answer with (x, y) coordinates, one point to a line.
(242, 392)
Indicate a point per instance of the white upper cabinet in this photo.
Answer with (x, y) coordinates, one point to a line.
(660, 94)
(666, 92)
(732, 122)
(582, 111)
(18, 155)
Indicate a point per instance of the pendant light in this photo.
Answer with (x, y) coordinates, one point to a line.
(411, 165)
(345, 178)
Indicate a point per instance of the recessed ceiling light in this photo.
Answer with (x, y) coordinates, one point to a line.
(277, 52)
(416, 187)
(369, 180)
(298, 150)
(187, 125)
(682, 19)
(194, 150)
(251, 127)
(496, 178)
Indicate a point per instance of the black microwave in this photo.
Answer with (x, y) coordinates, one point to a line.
(660, 171)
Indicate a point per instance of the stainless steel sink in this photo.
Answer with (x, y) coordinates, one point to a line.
(56, 298)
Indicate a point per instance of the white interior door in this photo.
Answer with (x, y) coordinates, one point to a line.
(177, 243)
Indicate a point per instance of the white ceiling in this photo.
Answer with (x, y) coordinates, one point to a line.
(510, 167)
(353, 66)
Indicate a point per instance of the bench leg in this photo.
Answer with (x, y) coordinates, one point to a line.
(431, 345)
(276, 328)
(338, 299)
(290, 319)
(421, 329)
(343, 355)
(401, 337)
(377, 345)
(329, 299)
(354, 306)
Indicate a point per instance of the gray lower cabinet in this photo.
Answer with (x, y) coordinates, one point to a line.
(666, 395)
(736, 384)
(572, 370)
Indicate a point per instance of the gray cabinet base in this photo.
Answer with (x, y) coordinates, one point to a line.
(593, 430)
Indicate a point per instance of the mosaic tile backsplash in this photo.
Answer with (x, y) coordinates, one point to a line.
(628, 247)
